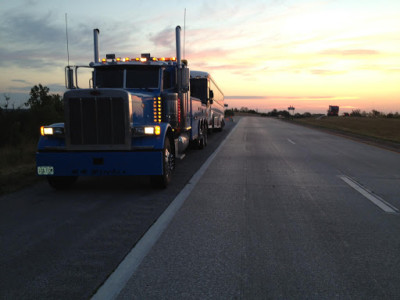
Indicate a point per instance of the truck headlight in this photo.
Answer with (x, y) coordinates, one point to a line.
(51, 131)
(147, 130)
(152, 130)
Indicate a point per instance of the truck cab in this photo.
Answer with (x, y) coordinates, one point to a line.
(136, 119)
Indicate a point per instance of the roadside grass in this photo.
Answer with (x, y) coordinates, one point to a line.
(381, 129)
(17, 167)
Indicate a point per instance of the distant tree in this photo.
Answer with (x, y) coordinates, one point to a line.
(7, 102)
(284, 113)
(393, 115)
(355, 113)
(40, 98)
(307, 115)
(229, 113)
(364, 114)
(274, 113)
(376, 114)
(298, 115)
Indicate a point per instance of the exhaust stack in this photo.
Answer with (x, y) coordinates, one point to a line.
(178, 46)
(96, 44)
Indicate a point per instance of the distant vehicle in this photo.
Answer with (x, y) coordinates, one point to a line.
(333, 111)
(136, 120)
(203, 86)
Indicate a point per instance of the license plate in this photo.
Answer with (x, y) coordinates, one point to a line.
(45, 170)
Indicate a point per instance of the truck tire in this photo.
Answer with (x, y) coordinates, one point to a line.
(222, 124)
(202, 139)
(162, 181)
(205, 130)
(61, 182)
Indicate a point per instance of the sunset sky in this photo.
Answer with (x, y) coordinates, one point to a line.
(263, 54)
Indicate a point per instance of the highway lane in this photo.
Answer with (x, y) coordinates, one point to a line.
(64, 245)
(274, 216)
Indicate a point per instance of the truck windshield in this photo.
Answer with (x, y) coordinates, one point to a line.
(142, 77)
(109, 78)
(137, 77)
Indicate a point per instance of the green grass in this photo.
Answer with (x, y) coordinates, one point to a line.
(17, 167)
(384, 129)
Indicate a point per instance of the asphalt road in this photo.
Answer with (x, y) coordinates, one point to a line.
(64, 245)
(283, 212)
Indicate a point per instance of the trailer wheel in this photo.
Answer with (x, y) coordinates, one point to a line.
(162, 181)
(205, 137)
(61, 182)
(202, 140)
(222, 124)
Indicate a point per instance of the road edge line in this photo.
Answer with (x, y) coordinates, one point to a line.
(118, 279)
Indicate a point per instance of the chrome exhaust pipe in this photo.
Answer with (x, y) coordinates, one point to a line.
(96, 44)
(178, 46)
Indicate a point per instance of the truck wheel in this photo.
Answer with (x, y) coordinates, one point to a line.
(61, 182)
(205, 137)
(162, 181)
(202, 140)
(222, 124)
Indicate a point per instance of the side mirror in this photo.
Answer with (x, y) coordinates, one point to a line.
(69, 78)
(211, 94)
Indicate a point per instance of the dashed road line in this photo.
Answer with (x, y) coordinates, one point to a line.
(290, 141)
(375, 199)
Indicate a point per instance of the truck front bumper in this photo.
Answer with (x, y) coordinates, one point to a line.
(119, 163)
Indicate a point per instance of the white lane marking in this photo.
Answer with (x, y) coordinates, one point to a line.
(114, 284)
(290, 141)
(378, 201)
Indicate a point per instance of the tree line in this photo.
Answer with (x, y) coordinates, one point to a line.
(21, 125)
(286, 114)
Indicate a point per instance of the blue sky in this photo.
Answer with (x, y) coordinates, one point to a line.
(263, 54)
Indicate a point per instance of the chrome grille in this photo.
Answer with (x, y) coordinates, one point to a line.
(97, 121)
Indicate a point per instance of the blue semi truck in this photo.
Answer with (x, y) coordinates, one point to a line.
(136, 118)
